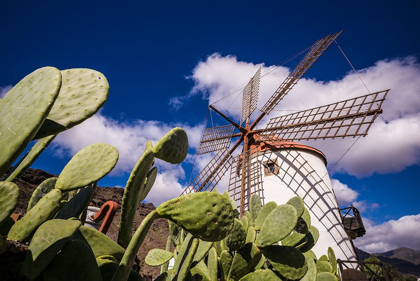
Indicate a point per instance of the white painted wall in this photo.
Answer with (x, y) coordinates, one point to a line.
(303, 173)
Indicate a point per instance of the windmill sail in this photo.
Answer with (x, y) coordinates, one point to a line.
(250, 96)
(215, 139)
(348, 118)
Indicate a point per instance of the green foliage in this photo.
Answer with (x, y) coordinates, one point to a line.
(9, 197)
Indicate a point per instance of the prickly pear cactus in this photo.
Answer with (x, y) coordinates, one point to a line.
(77, 205)
(30, 158)
(42, 189)
(206, 215)
(88, 165)
(288, 261)
(23, 110)
(47, 241)
(237, 237)
(41, 212)
(157, 257)
(261, 274)
(173, 147)
(9, 197)
(83, 92)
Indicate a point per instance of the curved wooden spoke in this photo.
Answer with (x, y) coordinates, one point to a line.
(250, 96)
(215, 138)
(349, 118)
(210, 176)
(306, 62)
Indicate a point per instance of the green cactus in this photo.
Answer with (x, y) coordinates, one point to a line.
(244, 260)
(288, 261)
(312, 237)
(237, 236)
(310, 254)
(82, 93)
(23, 110)
(279, 223)
(254, 207)
(100, 243)
(165, 266)
(206, 215)
(202, 250)
(245, 222)
(82, 261)
(77, 205)
(185, 258)
(202, 270)
(263, 213)
(225, 263)
(332, 259)
(107, 266)
(326, 276)
(41, 212)
(132, 196)
(212, 264)
(323, 266)
(261, 274)
(9, 197)
(293, 239)
(311, 274)
(47, 241)
(157, 257)
(88, 166)
(297, 202)
(323, 258)
(30, 158)
(173, 147)
(42, 189)
(251, 235)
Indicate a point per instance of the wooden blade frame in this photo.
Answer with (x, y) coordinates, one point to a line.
(306, 62)
(250, 96)
(348, 118)
(246, 174)
(210, 176)
(215, 138)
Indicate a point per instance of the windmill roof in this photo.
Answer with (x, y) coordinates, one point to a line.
(275, 143)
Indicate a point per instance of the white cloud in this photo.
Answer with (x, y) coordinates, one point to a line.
(390, 235)
(345, 195)
(392, 143)
(4, 90)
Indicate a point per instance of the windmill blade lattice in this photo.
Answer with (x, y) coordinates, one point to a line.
(215, 138)
(306, 62)
(250, 96)
(210, 176)
(348, 118)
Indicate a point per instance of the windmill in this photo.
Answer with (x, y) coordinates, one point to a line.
(273, 151)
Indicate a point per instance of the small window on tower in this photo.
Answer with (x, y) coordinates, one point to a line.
(271, 168)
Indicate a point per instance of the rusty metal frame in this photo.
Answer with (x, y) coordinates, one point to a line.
(362, 266)
(215, 138)
(348, 118)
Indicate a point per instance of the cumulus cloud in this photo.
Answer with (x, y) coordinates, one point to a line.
(130, 139)
(4, 90)
(392, 143)
(390, 235)
(345, 195)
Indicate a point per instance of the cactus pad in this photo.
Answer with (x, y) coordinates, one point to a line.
(254, 207)
(157, 257)
(297, 202)
(100, 243)
(9, 197)
(23, 110)
(77, 205)
(326, 276)
(312, 237)
(47, 241)
(237, 236)
(332, 259)
(244, 261)
(173, 147)
(263, 213)
(225, 263)
(83, 92)
(310, 275)
(82, 261)
(206, 215)
(288, 261)
(202, 250)
(42, 189)
(41, 212)
(133, 190)
(278, 224)
(30, 158)
(323, 266)
(261, 274)
(88, 165)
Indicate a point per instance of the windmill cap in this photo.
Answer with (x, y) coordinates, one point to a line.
(275, 143)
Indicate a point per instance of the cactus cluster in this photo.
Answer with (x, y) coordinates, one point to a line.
(209, 239)
(266, 243)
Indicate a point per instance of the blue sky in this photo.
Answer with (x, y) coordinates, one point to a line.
(157, 53)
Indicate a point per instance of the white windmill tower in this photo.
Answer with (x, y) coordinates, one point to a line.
(276, 167)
